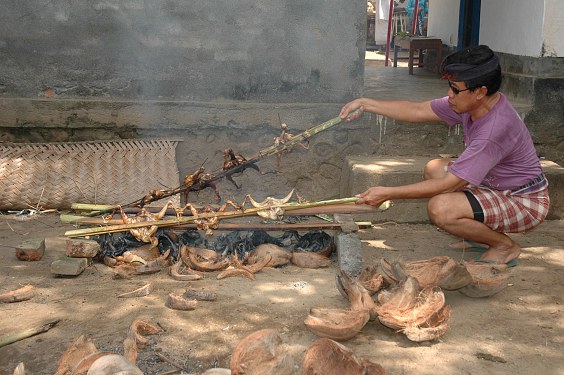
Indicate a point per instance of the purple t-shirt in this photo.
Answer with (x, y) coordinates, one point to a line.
(499, 151)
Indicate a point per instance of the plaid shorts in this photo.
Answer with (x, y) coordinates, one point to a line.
(513, 211)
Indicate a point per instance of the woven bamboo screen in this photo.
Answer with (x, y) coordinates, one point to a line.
(55, 175)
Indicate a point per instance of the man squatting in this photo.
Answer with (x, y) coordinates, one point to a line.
(496, 185)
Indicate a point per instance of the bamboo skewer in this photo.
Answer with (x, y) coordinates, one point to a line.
(345, 208)
(191, 219)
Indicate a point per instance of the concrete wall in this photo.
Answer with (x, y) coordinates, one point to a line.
(217, 74)
(443, 21)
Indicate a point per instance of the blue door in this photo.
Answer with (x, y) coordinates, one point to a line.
(469, 23)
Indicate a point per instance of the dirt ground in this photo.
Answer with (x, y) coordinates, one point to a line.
(518, 331)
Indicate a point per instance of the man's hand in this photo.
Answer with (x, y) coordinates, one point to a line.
(374, 196)
(349, 107)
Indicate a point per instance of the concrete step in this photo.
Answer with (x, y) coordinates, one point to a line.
(361, 172)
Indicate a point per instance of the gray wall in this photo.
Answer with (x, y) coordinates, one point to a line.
(538, 85)
(215, 73)
(267, 51)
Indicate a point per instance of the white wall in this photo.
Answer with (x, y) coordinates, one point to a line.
(520, 27)
(553, 31)
(513, 26)
(443, 21)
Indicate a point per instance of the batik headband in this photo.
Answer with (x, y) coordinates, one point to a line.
(466, 72)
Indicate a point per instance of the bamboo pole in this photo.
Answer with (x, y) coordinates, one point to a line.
(9, 339)
(220, 215)
(271, 150)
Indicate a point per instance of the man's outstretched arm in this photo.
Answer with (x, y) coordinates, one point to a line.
(402, 110)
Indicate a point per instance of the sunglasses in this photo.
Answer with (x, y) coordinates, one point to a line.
(457, 91)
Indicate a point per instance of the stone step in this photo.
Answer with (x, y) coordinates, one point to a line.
(362, 172)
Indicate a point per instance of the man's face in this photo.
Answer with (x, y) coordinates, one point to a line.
(461, 98)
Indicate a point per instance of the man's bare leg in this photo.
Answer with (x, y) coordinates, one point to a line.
(453, 213)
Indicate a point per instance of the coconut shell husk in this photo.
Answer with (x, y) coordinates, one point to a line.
(401, 298)
(327, 357)
(371, 368)
(113, 364)
(371, 280)
(441, 271)
(204, 260)
(155, 265)
(262, 353)
(256, 267)
(84, 365)
(433, 328)
(306, 259)
(80, 348)
(138, 329)
(20, 369)
(358, 296)
(237, 272)
(199, 295)
(22, 294)
(180, 272)
(327, 250)
(177, 302)
(280, 256)
(336, 324)
(487, 279)
(428, 303)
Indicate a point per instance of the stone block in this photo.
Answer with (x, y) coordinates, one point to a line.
(67, 266)
(362, 172)
(55, 244)
(80, 248)
(347, 223)
(349, 255)
(555, 175)
(31, 249)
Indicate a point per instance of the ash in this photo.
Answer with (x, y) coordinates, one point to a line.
(235, 242)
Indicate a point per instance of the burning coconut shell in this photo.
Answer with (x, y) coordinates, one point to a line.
(487, 279)
(327, 357)
(262, 352)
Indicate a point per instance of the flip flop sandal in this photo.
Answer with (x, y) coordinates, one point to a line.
(511, 263)
(472, 247)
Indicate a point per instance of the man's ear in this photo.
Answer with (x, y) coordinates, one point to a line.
(482, 91)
